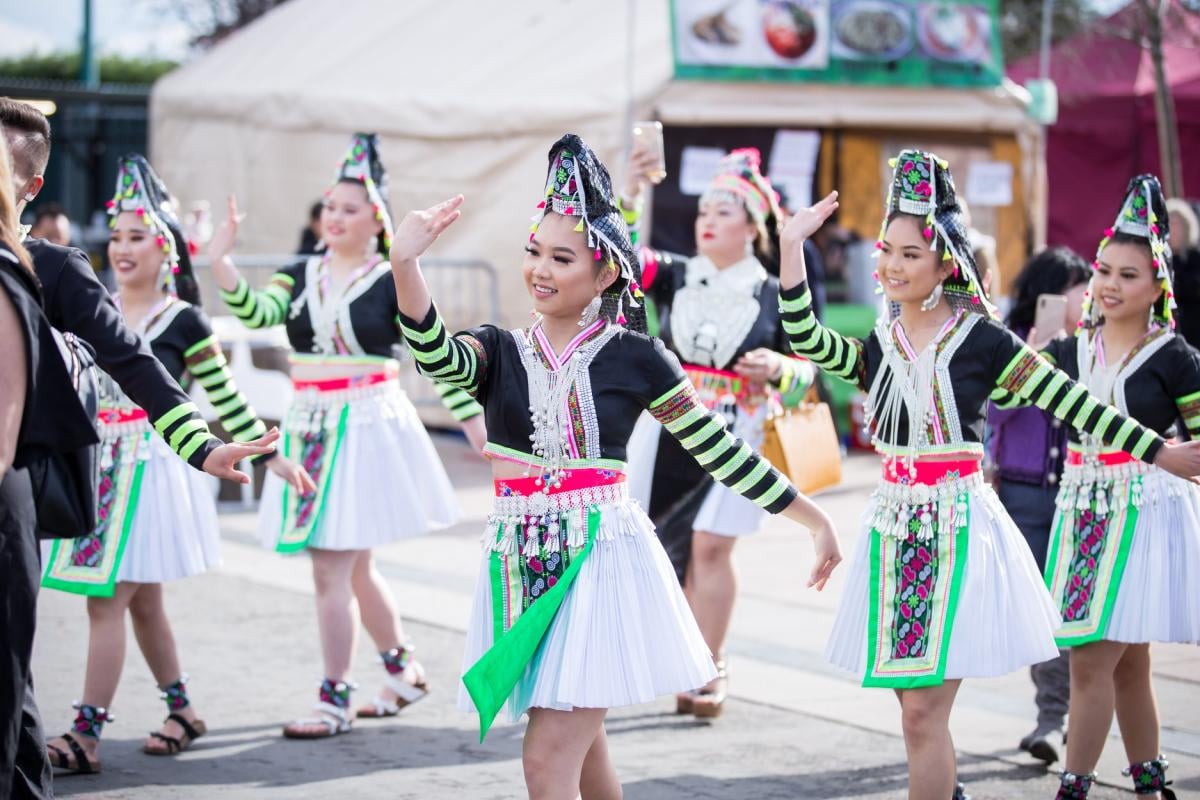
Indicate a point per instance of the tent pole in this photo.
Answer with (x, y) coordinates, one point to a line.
(630, 36)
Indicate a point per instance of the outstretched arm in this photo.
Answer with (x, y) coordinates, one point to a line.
(728, 459)
(1033, 379)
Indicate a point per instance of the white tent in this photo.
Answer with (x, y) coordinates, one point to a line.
(467, 97)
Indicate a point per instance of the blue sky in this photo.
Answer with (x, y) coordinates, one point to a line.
(127, 27)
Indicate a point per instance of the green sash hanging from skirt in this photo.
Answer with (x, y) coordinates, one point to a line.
(1088, 551)
(518, 581)
(89, 564)
(316, 447)
(914, 587)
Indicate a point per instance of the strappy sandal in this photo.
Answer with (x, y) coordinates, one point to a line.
(406, 694)
(708, 703)
(191, 732)
(62, 759)
(336, 721)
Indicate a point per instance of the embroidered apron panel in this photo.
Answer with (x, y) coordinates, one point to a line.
(1088, 553)
(915, 585)
(89, 564)
(314, 442)
(522, 614)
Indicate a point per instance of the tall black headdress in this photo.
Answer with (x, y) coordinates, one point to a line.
(140, 190)
(1143, 214)
(923, 186)
(362, 164)
(578, 185)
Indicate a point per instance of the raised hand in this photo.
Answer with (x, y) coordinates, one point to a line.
(807, 221)
(420, 229)
(803, 224)
(295, 475)
(221, 244)
(642, 165)
(220, 462)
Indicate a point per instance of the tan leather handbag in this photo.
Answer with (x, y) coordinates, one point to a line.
(803, 444)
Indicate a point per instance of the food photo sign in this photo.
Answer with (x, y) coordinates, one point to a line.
(881, 42)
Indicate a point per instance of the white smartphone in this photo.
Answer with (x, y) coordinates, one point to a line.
(1050, 318)
(651, 132)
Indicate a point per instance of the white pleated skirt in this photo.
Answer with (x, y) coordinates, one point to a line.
(723, 512)
(1158, 599)
(1005, 618)
(174, 529)
(623, 635)
(387, 481)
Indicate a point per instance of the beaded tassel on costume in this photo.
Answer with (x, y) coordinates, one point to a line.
(90, 720)
(176, 694)
(335, 693)
(1150, 777)
(396, 660)
(1075, 787)
(548, 391)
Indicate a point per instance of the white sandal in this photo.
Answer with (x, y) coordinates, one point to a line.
(336, 720)
(406, 694)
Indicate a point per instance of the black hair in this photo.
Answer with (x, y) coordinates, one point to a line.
(314, 211)
(48, 210)
(1051, 271)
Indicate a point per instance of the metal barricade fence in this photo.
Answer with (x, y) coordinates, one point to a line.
(466, 291)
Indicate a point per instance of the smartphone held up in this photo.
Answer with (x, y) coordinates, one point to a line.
(649, 134)
(1050, 319)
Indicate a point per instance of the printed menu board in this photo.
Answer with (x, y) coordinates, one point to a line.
(884, 42)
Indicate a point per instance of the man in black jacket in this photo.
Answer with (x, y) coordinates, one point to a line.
(76, 301)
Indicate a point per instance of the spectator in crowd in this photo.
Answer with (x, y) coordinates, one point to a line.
(1185, 261)
(310, 235)
(52, 224)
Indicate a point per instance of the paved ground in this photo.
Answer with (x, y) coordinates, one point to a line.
(795, 727)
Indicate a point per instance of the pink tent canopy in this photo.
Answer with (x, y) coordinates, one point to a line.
(1106, 131)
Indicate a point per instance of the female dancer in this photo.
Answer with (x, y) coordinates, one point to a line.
(378, 477)
(938, 545)
(1029, 446)
(157, 517)
(719, 313)
(609, 626)
(1125, 555)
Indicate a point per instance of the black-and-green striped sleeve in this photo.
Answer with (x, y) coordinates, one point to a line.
(187, 434)
(836, 354)
(445, 359)
(1035, 380)
(261, 308)
(458, 402)
(1189, 410)
(206, 363)
(725, 457)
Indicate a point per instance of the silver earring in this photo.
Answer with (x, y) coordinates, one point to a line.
(930, 303)
(590, 312)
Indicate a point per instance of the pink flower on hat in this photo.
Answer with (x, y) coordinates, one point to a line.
(923, 188)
